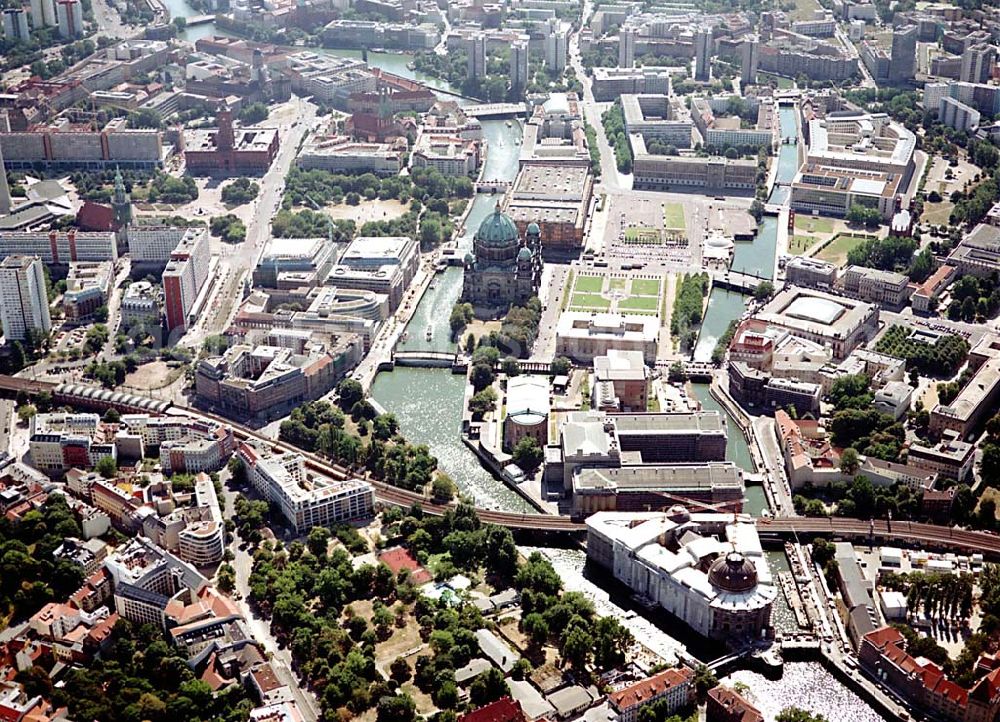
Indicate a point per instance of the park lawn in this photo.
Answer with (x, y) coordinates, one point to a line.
(590, 301)
(804, 10)
(645, 287)
(589, 284)
(801, 244)
(673, 216)
(782, 82)
(814, 224)
(938, 214)
(641, 303)
(836, 250)
(617, 284)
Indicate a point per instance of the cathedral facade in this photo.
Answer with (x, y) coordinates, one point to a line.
(503, 269)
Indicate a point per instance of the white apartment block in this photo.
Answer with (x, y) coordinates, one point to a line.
(305, 503)
(24, 303)
(60, 248)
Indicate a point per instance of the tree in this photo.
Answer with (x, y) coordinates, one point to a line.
(317, 541)
(527, 454)
(483, 402)
(350, 393)
(704, 680)
(849, 461)
(764, 290)
(797, 714)
(487, 687)
(253, 113)
(26, 412)
(510, 367)
(106, 467)
(577, 647)
(396, 708)
(442, 489)
(399, 670)
(535, 626)
(560, 366)
(481, 376)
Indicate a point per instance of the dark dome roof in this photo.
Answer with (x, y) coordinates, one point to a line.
(733, 572)
(497, 229)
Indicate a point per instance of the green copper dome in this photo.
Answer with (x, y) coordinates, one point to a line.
(524, 254)
(497, 229)
(533, 229)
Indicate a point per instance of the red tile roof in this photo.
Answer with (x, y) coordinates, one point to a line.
(399, 558)
(642, 692)
(504, 709)
(735, 707)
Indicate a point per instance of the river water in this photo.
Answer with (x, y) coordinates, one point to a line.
(428, 404)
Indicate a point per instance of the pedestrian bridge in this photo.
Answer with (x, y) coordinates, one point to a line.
(495, 110)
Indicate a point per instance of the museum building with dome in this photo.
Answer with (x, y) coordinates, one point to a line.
(503, 269)
(708, 570)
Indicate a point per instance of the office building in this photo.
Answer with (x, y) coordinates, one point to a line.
(978, 62)
(69, 16)
(383, 265)
(658, 117)
(610, 83)
(875, 286)
(978, 253)
(720, 130)
(951, 457)
(449, 155)
(903, 60)
(15, 25)
(342, 154)
(702, 53)
(88, 286)
(304, 500)
(707, 570)
(976, 401)
(711, 176)
(24, 303)
(519, 66)
(142, 304)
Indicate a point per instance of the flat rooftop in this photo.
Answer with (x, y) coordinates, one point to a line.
(648, 477)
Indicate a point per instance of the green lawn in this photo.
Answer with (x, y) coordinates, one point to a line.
(642, 303)
(642, 234)
(814, 224)
(590, 301)
(589, 284)
(836, 250)
(673, 216)
(782, 82)
(645, 287)
(617, 284)
(804, 10)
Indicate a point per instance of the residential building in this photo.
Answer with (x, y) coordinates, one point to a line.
(477, 56)
(142, 304)
(69, 15)
(183, 278)
(626, 47)
(15, 25)
(903, 60)
(749, 60)
(304, 501)
(53, 247)
(956, 114)
(978, 62)
(556, 46)
(609, 83)
(519, 66)
(43, 13)
(925, 297)
(675, 687)
(702, 53)
(24, 302)
(65, 145)
(728, 705)
(450, 156)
